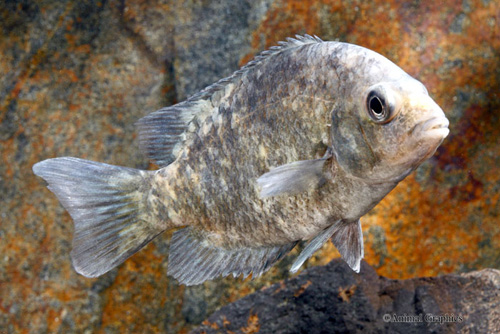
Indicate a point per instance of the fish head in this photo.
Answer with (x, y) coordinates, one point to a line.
(388, 129)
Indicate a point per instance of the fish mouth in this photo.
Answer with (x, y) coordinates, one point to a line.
(436, 127)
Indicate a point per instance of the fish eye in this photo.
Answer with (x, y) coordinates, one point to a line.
(378, 109)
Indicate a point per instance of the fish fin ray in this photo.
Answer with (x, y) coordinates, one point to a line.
(103, 201)
(348, 239)
(292, 178)
(312, 246)
(162, 130)
(193, 259)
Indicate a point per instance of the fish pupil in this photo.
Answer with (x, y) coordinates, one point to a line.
(376, 107)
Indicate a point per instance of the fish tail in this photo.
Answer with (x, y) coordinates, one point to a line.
(109, 208)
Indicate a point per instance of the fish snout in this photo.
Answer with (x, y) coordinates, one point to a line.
(431, 122)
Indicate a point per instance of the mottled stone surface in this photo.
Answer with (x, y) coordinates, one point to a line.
(211, 38)
(334, 299)
(76, 75)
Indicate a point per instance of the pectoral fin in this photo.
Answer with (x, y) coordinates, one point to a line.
(292, 178)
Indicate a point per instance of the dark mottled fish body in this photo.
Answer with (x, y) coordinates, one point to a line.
(265, 121)
(298, 145)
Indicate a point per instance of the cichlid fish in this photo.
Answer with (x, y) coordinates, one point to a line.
(296, 145)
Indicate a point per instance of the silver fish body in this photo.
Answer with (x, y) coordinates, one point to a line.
(297, 145)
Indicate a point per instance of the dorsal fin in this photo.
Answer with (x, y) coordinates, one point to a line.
(162, 130)
(290, 43)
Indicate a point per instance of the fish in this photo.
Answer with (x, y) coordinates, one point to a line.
(295, 147)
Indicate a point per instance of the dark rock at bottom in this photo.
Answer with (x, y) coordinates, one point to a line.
(334, 299)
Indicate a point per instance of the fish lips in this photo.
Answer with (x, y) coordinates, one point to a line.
(435, 128)
(429, 134)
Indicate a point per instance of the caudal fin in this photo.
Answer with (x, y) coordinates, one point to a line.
(108, 206)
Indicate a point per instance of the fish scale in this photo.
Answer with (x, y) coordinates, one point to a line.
(297, 145)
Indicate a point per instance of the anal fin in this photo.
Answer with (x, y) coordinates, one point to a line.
(194, 260)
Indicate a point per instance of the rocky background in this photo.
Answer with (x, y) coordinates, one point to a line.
(334, 299)
(76, 75)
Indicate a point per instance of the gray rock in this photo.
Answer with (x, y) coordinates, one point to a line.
(211, 39)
